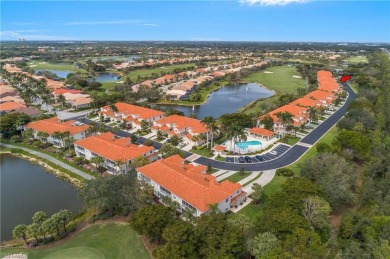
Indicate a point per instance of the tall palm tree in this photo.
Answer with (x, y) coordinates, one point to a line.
(58, 135)
(208, 121)
(98, 161)
(213, 129)
(312, 113)
(285, 118)
(62, 100)
(114, 108)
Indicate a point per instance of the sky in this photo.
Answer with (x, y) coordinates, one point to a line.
(240, 20)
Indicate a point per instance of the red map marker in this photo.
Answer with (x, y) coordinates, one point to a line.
(345, 78)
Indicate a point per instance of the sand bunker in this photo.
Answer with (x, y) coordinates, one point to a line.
(297, 76)
(120, 82)
(15, 256)
(32, 65)
(268, 72)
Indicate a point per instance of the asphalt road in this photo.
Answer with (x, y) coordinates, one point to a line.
(285, 159)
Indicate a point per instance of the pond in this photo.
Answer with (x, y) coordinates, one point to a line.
(227, 99)
(27, 188)
(59, 73)
(105, 77)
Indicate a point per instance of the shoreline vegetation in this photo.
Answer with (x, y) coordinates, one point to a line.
(48, 166)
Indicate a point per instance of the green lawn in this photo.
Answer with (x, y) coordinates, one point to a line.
(148, 71)
(354, 87)
(237, 177)
(280, 79)
(292, 140)
(202, 152)
(357, 59)
(111, 240)
(221, 158)
(50, 66)
(254, 179)
(327, 138)
(253, 211)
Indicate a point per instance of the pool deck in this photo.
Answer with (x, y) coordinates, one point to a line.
(252, 148)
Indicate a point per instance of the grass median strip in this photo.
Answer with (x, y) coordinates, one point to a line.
(254, 179)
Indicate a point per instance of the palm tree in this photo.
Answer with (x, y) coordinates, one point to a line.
(20, 231)
(312, 114)
(98, 161)
(33, 229)
(48, 226)
(208, 121)
(42, 136)
(58, 135)
(214, 129)
(285, 118)
(232, 133)
(28, 133)
(118, 163)
(114, 108)
(62, 100)
(159, 135)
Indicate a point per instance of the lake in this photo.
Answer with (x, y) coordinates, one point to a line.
(27, 188)
(227, 99)
(104, 77)
(59, 73)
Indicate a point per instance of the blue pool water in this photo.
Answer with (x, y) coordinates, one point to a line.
(246, 144)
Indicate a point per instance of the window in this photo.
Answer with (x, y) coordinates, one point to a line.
(165, 191)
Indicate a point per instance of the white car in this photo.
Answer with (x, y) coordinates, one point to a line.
(273, 153)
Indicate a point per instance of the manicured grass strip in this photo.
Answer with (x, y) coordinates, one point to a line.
(238, 177)
(291, 140)
(109, 240)
(354, 87)
(49, 163)
(254, 179)
(202, 152)
(220, 158)
(56, 157)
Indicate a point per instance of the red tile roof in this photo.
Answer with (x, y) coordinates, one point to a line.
(219, 148)
(66, 90)
(129, 109)
(188, 182)
(52, 125)
(306, 102)
(262, 131)
(181, 122)
(9, 106)
(109, 146)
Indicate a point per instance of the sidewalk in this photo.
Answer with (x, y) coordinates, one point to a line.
(249, 178)
(223, 176)
(263, 180)
(53, 160)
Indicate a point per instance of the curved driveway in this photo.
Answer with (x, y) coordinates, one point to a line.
(292, 155)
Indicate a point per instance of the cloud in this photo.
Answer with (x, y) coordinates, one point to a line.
(11, 35)
(272, 2)
(105, 22)
(149, 24)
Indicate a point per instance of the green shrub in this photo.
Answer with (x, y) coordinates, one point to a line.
(287, 172)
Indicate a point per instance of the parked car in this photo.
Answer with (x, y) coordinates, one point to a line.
(241, 159)
(248, 159)
(260, 158)
(273, 152)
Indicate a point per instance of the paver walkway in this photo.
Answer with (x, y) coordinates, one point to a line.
(53, 160)
(264, 179)
(249, 178)
(223, 176)
(193, 157)
(218, 173)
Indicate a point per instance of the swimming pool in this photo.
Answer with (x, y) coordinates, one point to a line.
(246, 144)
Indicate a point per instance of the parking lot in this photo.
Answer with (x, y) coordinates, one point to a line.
(280, 150)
